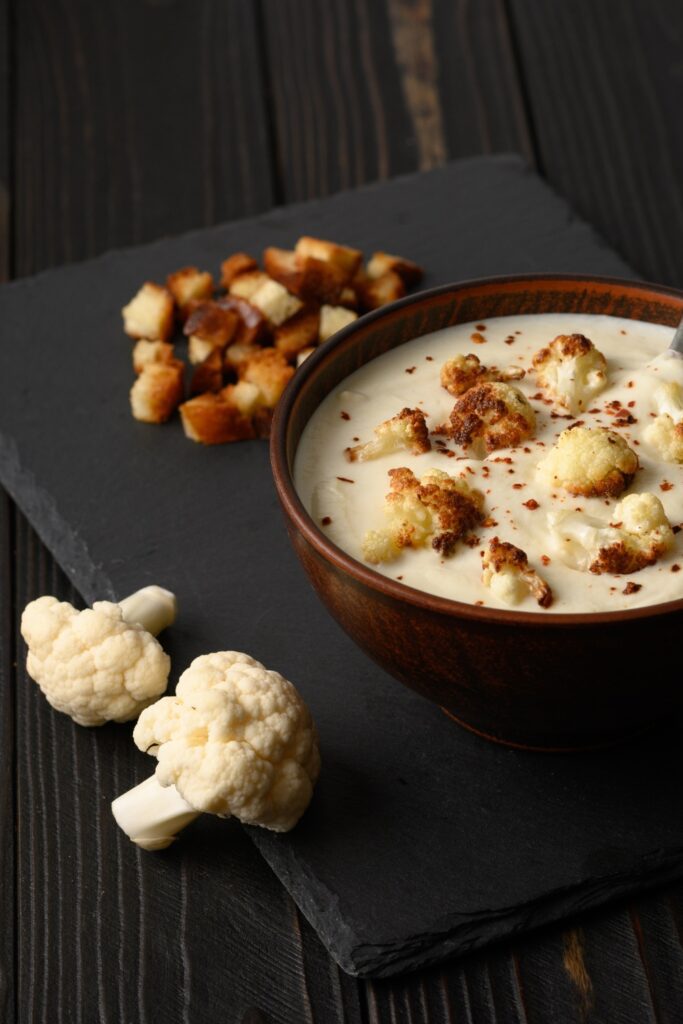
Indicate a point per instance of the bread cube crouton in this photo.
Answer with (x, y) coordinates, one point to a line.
(212, 324)
(198, 350)
(189, 284)
(238, 263)
(299, 332)
(275, 302)
(349, 297)
(215, 419)
(252, 326)
(145, 352)
(209, 374)
(244, 396)
(157, 392)
(268, 369)
(149, 314)
(237, 354)
(303, 356)
(333, 318)
(310, 278)
(244, 285)
(342, 256)
(283, 265)
(378, 291)
(383, 262)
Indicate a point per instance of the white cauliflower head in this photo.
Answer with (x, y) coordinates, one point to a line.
(665, 433)
(438, 508)
(589, 461)
(93, 665)
(638, 535)
(406, 430)
(237, 739)
(572, 370)
(507, 573)
(491, 415)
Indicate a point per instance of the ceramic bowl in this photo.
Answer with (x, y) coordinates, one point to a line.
(541, 681)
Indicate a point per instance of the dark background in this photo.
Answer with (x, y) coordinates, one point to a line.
(125, 121)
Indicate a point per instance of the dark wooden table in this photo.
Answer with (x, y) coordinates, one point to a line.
(125, 121)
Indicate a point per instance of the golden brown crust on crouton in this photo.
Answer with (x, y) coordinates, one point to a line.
(214, 419)
(145, 352)
(213, 323)
(149, 314)
(246, 284)
(308, 277)
(238, 263)
(157, 392)
(283, 266)
(342, 256)
(333, 319)
(208, 376)
(382, 262)
(237, 354)
(495, 413)
(378, 291)
(271, 373)
(188, 285)
(298, 333)
(252, 325)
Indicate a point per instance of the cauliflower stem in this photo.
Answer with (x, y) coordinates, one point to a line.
(152, 815)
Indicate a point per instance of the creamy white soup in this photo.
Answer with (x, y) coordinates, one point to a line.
(347, 499)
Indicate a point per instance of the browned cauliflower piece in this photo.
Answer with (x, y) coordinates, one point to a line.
(407, 429)
(638, 536)
(589, 461)
(462, 372)
(507, 573)
(572, 370)
(665, 433)
(438, 508)
(489, 416)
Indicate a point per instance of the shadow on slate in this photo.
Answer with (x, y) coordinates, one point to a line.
(422, 841)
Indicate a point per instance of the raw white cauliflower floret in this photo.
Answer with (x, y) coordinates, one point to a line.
(462, 372)
(406, 430)
(92, 665)
(237, 739)
(572, 370)
(506, 571)
(437, 508)
(665, 433)
(589, 461)
(638, 535)
(489, 416)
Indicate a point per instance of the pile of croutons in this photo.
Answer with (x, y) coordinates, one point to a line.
(246, 339)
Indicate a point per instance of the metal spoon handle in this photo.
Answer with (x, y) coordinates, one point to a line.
(677, 340)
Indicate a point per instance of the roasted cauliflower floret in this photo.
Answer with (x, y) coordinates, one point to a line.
(572, 370)
(589, 461)
(489, 416)
(438, 508)
(462, 372)
(638, 536)
(406, 430)
(665, 433)
(507, 573)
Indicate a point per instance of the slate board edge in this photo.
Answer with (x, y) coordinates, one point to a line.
(452, 940)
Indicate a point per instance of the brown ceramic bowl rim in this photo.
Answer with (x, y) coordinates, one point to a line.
(367, 576)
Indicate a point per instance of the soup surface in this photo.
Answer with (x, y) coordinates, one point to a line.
(347, 499)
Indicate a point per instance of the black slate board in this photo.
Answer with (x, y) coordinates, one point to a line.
(422, 840)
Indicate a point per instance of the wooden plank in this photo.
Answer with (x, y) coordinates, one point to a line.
(604, 88)
(133, 121)
(364, 90)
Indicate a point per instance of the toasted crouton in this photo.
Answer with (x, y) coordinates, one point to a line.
(237, 354)
(252, 326)
(209, 374)
(214, 419)
(382, 262)
(157, 392)
(333, 318)
(238, 263)
(244, 285)
(187, 285)
(212, 324)
(244, 396)
(349, 297)
(378, 291)
(283, 265)
(297, 333)
(303, 356)
(268, 369)
(149, 314)
(145, 352)
(275, 302)
(342, 256)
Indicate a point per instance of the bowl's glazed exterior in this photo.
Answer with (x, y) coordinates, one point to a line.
(537, 680)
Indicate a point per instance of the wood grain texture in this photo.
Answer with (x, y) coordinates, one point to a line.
(134, 120)
(604, 82)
